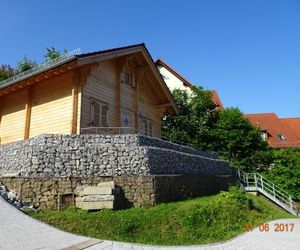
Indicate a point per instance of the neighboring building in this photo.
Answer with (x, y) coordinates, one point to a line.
(174, 80)
(278, 132)
(112, 91)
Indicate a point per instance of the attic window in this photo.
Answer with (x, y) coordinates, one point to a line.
(127, 78)
(281, 137)
(264, 135)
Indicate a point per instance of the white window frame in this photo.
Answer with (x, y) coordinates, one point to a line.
(102, 116)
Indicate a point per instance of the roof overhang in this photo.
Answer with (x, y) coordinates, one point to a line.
(54, 68)
(36, 77)
(95, 57)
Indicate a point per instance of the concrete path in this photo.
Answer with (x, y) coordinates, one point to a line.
(19, 231)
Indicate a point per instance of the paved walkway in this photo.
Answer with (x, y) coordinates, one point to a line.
(19, 231)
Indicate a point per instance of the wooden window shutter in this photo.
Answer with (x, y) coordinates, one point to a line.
(150, 128)
(133, 80)
(145, 127)
(104, 115)
(96, 114)
(92, 111)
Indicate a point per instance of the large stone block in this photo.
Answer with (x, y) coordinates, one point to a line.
(91, 190)
(95, 205)
(98, 197)
(107, 184)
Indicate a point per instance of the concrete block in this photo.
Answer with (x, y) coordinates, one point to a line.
(98, 197)
(95, 205)
(107, 184)
(96, 190)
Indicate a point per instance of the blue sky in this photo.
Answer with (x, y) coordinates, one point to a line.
(249, 51)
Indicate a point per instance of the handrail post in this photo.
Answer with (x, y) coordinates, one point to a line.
(274, 193)
(291, 203)
(255, 180)
(262, 184)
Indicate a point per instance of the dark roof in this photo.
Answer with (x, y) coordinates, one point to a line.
(111, 50)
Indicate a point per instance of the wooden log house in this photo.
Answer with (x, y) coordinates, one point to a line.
(112, 91)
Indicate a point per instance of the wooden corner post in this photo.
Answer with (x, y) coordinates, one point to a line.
(118, 98)
(28, 107)
(75, 91)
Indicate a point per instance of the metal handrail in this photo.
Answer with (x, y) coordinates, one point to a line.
(115, 130)
(257, 182)
(40, 68)
(269, 183)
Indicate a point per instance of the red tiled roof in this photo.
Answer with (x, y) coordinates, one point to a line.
(294, 123)
(216, 99)
(214, 94)
(274, 126)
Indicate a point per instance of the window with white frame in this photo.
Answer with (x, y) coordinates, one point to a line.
(98, 113)
(264, 135)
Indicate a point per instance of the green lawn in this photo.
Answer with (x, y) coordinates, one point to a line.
(197, 221)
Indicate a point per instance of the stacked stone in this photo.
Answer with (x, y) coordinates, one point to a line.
(96, 197)
(81, 156)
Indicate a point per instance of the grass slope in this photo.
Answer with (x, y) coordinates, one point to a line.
(197, 221)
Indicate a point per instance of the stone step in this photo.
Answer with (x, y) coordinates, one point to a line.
(107, 184)
(95, 198)
(95, 205)
(93, 190)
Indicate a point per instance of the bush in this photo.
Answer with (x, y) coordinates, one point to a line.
(286, 170)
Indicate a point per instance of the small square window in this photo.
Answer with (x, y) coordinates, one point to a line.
(127, 78)
(264, 136)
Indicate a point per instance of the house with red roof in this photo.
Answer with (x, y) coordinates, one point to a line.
(278, 132)
(175, 80)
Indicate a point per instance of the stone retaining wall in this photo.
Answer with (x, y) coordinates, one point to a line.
(45, 170)
(82, 156)
(134, 191)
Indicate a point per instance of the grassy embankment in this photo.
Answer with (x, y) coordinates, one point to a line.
(196, 221)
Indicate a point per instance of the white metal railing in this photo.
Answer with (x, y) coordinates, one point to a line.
(40, 68)
(115, 131)
(257, 183)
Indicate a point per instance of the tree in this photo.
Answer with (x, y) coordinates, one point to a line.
(193, 123)
(285, 171)
(6, 71)
(237, 140)
(53, 53)
(25, 64)
(200, 125)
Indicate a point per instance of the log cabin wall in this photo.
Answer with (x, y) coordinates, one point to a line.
(43, 108)
(104, 85)
(59, 101)
(12, 126)
(100, 86)
(52, 107)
